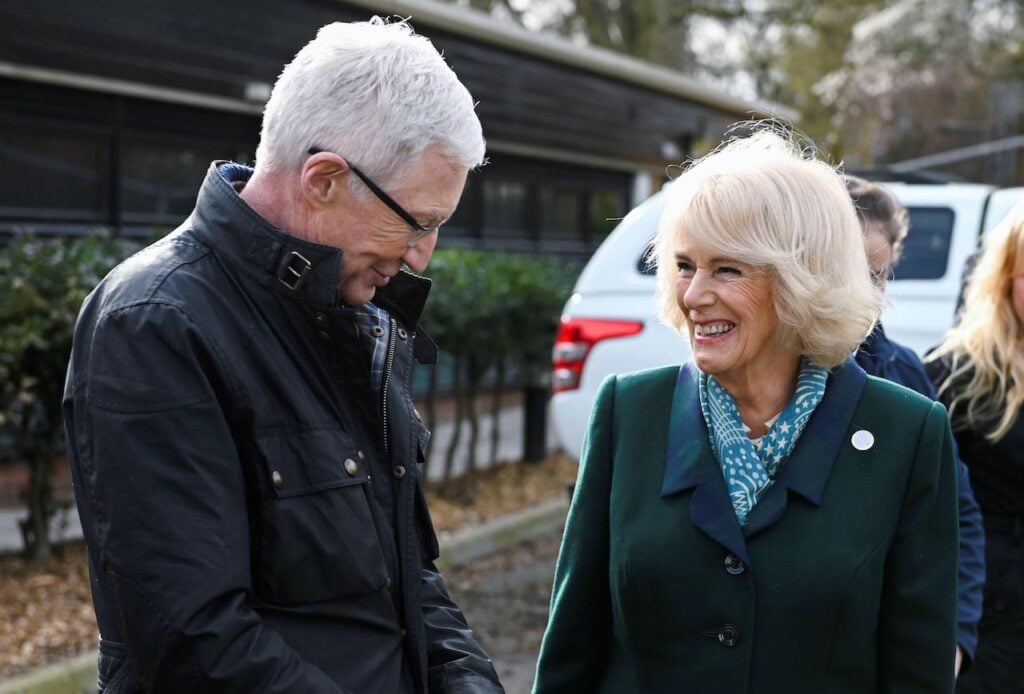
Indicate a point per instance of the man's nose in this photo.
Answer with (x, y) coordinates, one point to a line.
(418, 255)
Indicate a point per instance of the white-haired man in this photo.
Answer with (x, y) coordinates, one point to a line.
(240, 428)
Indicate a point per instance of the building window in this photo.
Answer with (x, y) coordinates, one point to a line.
(159, 181)
(607, 208)
(51, 174)
(505, 209)
(466, 220)
(560, 213)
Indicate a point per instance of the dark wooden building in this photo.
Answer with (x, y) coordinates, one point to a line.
(111, 110)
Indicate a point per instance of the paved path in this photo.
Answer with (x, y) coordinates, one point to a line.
(510, 448)
(505, 598)
(510, 445)
(66, 528)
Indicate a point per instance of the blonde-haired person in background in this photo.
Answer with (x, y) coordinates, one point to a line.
(979, 373)
(885, 223)
(767, 518)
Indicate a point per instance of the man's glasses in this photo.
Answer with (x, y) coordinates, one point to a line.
(419, 232)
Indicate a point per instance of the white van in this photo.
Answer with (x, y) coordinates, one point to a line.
(609, 324)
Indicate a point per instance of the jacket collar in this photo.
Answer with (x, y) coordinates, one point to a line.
(876, 348)
(288, 265)
(690, 463)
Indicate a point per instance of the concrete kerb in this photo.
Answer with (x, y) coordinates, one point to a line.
(472, 543)
(78, 675)
(74, 676)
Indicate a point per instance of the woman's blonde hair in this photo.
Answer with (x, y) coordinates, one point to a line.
(769, 202)
(986, 348)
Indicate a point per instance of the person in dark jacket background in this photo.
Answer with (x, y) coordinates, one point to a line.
(885, 223)
(240, 427)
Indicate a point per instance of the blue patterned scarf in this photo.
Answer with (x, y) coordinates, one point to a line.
(750, 469)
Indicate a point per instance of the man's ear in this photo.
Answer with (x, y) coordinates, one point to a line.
(323, 176)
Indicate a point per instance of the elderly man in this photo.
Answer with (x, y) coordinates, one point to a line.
(239, 421)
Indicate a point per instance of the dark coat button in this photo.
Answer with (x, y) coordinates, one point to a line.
(728, 635)
(399, 472)
(320, 318)
(734, 565)
(325, 336)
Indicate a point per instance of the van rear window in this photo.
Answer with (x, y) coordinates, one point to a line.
(645, 264)
(926, 248)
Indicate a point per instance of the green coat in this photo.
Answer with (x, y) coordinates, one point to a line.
(843, 579)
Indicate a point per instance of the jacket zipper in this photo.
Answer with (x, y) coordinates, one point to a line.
(384, 384)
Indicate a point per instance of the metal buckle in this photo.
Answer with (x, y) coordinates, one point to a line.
(288, 275)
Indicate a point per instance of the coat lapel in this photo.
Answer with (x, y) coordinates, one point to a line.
(809, 465)
(691, 464)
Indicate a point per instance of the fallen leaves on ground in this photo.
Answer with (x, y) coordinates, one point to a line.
(486, 494)
(46, 609)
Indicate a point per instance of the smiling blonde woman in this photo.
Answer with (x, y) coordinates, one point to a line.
(767, 518)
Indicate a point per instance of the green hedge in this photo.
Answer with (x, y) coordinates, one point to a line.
(493, 313)
(45, 282)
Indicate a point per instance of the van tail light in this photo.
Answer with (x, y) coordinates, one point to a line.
(575, 338)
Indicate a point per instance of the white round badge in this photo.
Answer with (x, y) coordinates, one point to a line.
(862, 440)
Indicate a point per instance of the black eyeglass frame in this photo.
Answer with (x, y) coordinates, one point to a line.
(419, 231)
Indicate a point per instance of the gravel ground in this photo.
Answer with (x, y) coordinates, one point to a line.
(505, 598)
(45, 610)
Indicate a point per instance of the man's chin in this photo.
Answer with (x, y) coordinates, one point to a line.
(357, 297)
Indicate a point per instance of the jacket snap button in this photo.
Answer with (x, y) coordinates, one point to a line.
(320, 318)
(362, 456)
(325, 336)
(387, 583)
(275, 476)
(402, 334)
(734, 565)
(728, 636)
(403, 632)
(351, 466)
(377, 331)
(399, 472)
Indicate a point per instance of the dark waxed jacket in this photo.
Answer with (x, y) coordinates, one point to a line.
(252, 507)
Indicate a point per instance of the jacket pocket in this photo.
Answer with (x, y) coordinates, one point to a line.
(318, 539)
(114, 674)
